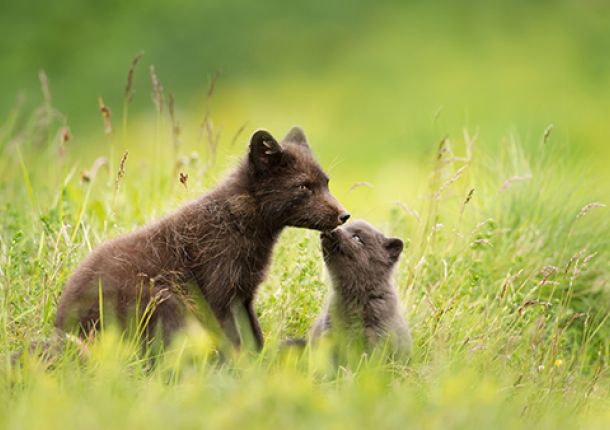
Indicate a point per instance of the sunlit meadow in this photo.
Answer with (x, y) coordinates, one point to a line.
(477, 133)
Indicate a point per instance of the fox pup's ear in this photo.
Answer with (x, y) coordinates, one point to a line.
(296, 135)
(265, 152)
(394, 247)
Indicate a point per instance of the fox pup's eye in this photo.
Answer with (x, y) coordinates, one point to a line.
(304, 187)
(357, 238)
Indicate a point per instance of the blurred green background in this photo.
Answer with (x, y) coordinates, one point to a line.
(375, 84)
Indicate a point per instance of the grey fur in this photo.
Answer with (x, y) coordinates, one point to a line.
(363, 303)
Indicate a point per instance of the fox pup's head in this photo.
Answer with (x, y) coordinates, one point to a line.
(357, 251)
(289, 185)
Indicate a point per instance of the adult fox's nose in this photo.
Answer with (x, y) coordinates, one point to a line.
(344, 217)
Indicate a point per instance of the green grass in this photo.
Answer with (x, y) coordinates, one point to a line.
(506, 289)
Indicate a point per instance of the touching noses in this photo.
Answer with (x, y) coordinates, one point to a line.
(344, 217)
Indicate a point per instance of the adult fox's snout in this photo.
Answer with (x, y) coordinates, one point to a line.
(341, 214)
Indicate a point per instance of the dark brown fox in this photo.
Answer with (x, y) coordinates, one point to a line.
(221, 242)
(364, 305)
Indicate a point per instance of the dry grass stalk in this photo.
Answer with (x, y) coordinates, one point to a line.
(588, 207)
(470, 142)
(89, 175)
(588, 258)
(469, 196)
(547, 272)
(238, 133)
(157, 90)
(212, 86)
(129, 92)
(513, 179)
(508, 281)
(213, 140)
(45, 114)
(483, 242)
(44, 85)
(207, 127)
(573, 318)
(175, 124)
(433, 230)
(467, 200)
(121, 171)
(209, 94)
(532, 302)
(581, 265)
(442, 148)
(105, 115)
(409, 211)
(479, 225)
(572, 260)
(450, 181)
(437, 114)
(360, 184)
(184, 177)
(64, 138)
(547, 133)
(430, 302)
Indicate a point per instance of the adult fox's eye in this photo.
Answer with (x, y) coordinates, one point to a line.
(304, 187)
(357, 238)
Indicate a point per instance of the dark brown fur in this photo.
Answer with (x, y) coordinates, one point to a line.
(222, 242)
(364, 305)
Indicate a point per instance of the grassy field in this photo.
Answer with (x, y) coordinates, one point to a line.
(475, 131)
(504, 282)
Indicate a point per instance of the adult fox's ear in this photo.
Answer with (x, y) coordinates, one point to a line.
(394, 247)
(296, 135)
(265, 152)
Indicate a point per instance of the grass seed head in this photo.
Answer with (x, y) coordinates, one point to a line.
(469, 196)
(588, 207)
(184, 177)
(121, 171)
(64, 138)
(129, 92)
(105, 115)
(513, 179)
(157, 90)
(547, 133)
(89, 175)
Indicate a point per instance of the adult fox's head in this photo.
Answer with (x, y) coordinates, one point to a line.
(289, 185)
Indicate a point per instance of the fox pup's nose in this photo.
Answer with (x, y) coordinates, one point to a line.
(344, 217)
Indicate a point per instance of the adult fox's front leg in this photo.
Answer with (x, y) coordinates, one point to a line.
(240, 324)
(255, 327)
(228, 324)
